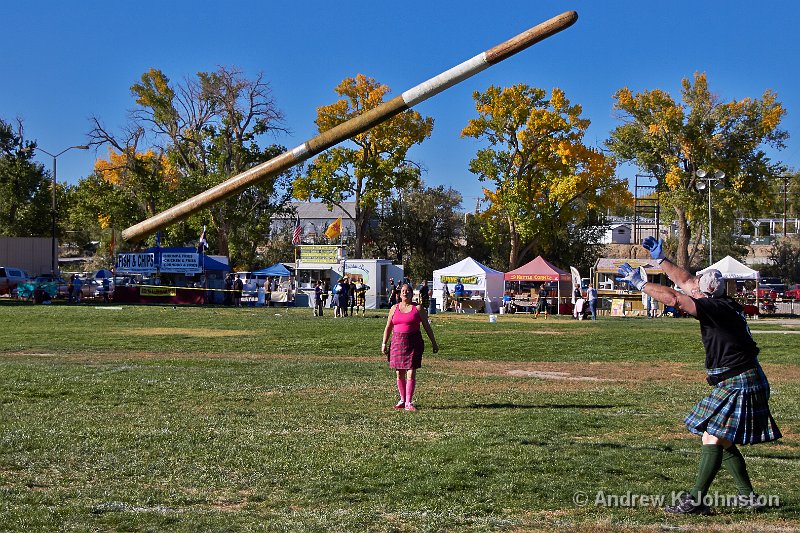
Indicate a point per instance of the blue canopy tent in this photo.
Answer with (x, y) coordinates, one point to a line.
(276, 270)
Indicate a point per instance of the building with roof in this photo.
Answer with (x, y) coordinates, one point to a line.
(315, 217)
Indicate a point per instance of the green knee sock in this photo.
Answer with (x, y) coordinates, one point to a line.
(734, 463)
(710, 463)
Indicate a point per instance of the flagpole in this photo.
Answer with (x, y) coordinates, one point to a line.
(341, 245)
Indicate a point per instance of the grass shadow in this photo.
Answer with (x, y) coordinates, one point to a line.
(528, 406)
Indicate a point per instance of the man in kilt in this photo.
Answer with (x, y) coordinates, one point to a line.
(737, 409)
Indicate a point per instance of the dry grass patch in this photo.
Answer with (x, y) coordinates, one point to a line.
(191, 332)
(567, 371)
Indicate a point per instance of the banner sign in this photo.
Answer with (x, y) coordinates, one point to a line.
(183, 263)
(150, 290)
(143, 263)
(469, 280)
(323, 253)
(532, 277)
(617, 307)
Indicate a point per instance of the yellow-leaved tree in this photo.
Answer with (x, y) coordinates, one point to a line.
(672, 140)
(372, 164)
(546, 183)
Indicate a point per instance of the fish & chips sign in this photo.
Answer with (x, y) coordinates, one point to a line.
(145, 263)
(142, 263)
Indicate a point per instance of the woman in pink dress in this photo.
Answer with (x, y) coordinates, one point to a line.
(405, 353)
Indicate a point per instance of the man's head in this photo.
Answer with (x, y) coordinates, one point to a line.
(712, 284)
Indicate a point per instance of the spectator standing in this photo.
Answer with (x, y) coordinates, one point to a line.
(268, 292)
(445, 297)
(508, 299)
(342, 297)
(361, 289)
(541, 303)
(71, 289)
(106, 289)
(351, 291)
(390, 293)
(591, 296)
(78, 290)
(228, 298)
(319, 304)
(396, 293)
(237, 291)
(424, 295)
(458, 296)
(406, 347)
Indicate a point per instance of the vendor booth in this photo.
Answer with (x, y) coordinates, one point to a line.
(532, 275)
(617, 297)
(328, 263)
(171, 275)
(253, 292)
(483, 285)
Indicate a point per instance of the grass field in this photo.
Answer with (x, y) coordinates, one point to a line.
(212, 419)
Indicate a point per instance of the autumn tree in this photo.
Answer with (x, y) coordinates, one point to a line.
(420, 227)
(208, 128)
(672, 140)
(545, 182)
(376, 164)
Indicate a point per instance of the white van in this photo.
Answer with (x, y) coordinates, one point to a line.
(10, 277)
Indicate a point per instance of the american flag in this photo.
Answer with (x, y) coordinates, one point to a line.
(297, 233)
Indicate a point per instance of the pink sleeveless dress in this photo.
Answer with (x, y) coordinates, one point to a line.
(405, 350)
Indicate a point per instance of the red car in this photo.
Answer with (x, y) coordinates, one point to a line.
(793, 293)
(765, 293)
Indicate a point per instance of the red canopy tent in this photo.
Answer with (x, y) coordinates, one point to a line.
(540, 269)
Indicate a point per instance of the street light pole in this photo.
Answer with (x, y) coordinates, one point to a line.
(705, 181)
(54, 251)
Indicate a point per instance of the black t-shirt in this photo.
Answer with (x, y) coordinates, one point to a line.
(725, 333)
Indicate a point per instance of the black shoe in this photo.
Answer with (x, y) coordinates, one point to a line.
(688, 505)
(752, 502)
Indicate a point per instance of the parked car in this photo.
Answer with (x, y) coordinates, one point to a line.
(774, 284)
(793, 293)
(10, 277)
(766, 293)
(93, 289)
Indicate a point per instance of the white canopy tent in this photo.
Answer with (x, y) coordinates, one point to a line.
(475, 277)
(732, 269)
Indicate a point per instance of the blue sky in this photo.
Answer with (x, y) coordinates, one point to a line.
(66, 61)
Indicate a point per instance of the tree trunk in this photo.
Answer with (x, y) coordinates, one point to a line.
(684, 235)
(513, 255)
(360, 223)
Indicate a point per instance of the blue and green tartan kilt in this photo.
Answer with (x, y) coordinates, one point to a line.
(736, 410)
(405, 350)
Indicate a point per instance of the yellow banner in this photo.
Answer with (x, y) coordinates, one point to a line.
(464, 279)
(149, 290)
(323, 253)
